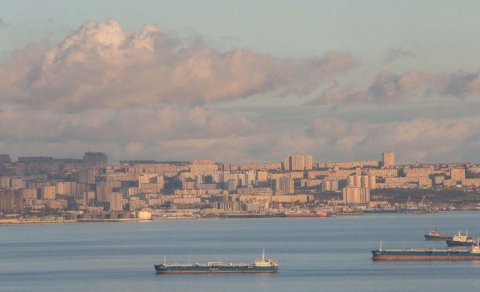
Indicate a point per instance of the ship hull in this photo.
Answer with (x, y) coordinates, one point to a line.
(203, 269)
(437, 238)
(459, 243)
(425, 255)
(211, 272)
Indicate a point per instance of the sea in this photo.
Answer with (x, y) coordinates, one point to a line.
(314, 254)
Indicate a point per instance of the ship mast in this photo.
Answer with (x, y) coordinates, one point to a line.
(263, 255)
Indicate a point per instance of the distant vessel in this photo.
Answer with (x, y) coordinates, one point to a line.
(308, 214)
(426, 254)
(436, 235)
(460, 240)
(259, 266)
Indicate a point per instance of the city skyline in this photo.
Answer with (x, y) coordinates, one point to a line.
(164, 81)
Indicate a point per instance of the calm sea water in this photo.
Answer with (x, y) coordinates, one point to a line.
(315, 254)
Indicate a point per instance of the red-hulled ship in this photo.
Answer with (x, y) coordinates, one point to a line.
(308, 214)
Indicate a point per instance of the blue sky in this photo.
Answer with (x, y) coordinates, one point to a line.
(439, 29)
(388, 75)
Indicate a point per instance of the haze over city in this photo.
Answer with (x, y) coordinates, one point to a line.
(177, 80)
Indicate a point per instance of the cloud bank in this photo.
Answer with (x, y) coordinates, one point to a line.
(390, 87)
(150, 95)
(103, 66)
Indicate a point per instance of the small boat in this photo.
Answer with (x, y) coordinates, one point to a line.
(460, 240)
(436, 235)
(261, 265)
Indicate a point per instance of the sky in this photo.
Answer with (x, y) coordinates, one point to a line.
(241, 81)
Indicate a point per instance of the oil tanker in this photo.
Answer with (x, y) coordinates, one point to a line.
(259, 266)
(427, 254)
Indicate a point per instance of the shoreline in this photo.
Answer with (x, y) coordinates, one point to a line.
(9, 222)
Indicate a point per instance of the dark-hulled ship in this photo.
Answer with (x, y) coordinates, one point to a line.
(259, 266)
(436, 235)
(427, 254)
(460, 240)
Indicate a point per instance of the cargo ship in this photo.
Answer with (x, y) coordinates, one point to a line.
(436, 235)
(259, 266)
(460, 240)
(427, 254)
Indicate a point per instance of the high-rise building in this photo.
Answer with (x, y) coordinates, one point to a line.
(308, 162)
(5, 158)
(17, 183)
(262, 176)
(203, 167)
(298, 162)
(115, 201)
(103, 191)
(457, 174)
(29, 195)
(388, 159)
(356, 195)
(48, 192)
(10, 200)
(95, 160)
(283, 185)
(88, 176)
(366, 181)
(329, 185)
(358, 189)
